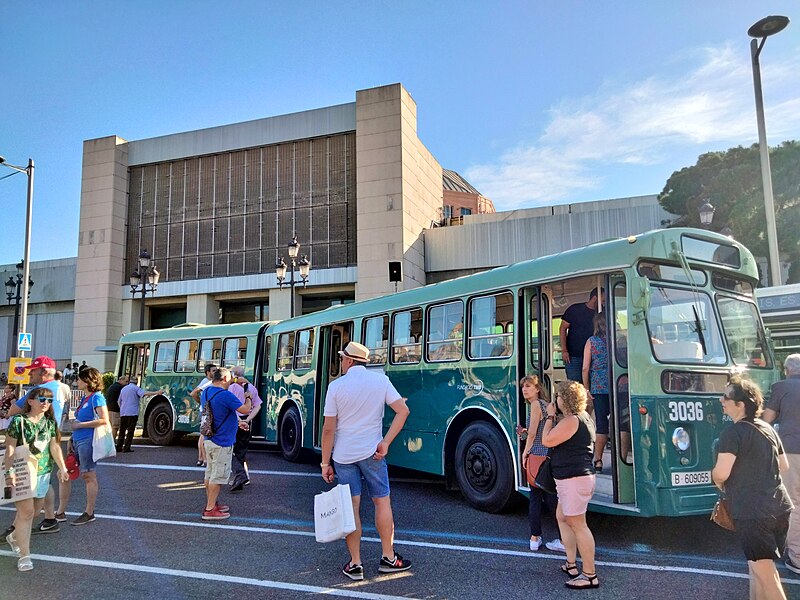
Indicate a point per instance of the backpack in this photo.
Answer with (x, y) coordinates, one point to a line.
(207, 420)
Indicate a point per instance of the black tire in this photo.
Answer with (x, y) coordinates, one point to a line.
(290, 435)
(160, 426)
(484, 468)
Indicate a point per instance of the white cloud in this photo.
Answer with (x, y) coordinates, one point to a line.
(641, 123)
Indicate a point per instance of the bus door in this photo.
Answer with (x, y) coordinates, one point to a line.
(534, 353)
(134, 362)
(333, 338)
(621, 456)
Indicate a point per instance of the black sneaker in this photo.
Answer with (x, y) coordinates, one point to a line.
(46, 526)
(354, 572)
(398, 563)
(237, 487)
(83, 519)
(793, 567)
(8, 531)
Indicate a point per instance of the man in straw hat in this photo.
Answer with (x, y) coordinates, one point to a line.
(353, 436)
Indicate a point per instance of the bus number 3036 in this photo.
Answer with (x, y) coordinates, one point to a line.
(685, 411)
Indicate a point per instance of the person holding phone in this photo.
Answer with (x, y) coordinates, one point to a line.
(36, 428)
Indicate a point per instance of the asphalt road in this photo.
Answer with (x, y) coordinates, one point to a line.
(149, 541)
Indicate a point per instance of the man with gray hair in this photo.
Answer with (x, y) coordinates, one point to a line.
(784, 407)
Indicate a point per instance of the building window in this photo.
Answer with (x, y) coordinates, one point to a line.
(243, 312)
(447, 211)
(465, 211)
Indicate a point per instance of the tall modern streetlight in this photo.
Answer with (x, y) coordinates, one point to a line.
(26, 258)
(14, 287)
(763, 29)
(304, 264)
(147, 275)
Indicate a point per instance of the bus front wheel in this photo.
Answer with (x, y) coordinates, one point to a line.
(484, 470)
(290, 435)
(160, 428)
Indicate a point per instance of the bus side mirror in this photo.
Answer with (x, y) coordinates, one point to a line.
(640, 297)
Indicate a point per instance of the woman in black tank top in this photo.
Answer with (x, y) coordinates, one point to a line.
(571, 440)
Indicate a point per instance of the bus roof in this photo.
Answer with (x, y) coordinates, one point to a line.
(193, 330)
(598, 257)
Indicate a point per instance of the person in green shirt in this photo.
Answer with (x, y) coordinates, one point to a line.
(35, 428)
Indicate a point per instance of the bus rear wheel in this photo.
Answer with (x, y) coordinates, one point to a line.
(484, 470)
(290, 436)
(160, 428)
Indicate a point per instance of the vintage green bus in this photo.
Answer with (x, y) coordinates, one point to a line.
(682, 316)
(780, 307)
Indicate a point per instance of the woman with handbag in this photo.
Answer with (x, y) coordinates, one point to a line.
(90, 414)
(748, 468)
(572, 442)
(34, 428)
(533, 456)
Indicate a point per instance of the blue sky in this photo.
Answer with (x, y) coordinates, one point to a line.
(536, 103)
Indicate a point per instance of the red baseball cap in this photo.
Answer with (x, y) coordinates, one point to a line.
(41, 362)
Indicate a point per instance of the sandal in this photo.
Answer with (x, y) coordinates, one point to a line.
(598, 465)
(570, 569)
(25, 564)
(199, 463)
(584, 581)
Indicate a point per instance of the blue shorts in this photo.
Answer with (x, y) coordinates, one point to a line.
(374, 472)
(84, 450)
(41, 485)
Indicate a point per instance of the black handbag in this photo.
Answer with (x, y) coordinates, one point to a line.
(544, 478)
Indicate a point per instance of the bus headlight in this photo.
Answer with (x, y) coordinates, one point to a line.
(680, 439)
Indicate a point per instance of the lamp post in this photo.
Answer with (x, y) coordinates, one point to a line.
(706, 211)
(304, 264)
(26, 258)
(14, 292)
(763, 29)
(147, 275)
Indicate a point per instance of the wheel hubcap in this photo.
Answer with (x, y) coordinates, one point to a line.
(479, 466)
(162, 426)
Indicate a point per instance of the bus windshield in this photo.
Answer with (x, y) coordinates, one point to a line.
(682, 327)
(742, 332)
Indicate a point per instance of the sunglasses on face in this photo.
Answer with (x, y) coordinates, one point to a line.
(43, 399)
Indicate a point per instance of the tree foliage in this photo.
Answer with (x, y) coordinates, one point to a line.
(731, 181)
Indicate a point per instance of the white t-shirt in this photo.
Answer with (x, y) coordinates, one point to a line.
(357, 401)
(201, 386)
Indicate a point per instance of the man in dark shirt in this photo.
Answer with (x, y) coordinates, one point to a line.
(784, 407)
(112, 401)
(576, 328)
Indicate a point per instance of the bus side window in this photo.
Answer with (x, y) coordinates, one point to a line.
(285, 351)
(165, 357)
(234, 352)
(210, 351)
(445, 332)
(186, 356)
(406, 333)
(376, 337)
(267, 347)
(487, 336)
(305, 349)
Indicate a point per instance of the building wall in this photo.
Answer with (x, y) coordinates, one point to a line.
(399, 187)
(101, 250)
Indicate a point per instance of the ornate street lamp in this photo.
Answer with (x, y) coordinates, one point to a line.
(706, 211)
(14, 291)
(763, 29)
(304, 264)
(144, 280)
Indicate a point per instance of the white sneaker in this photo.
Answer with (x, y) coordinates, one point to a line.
(535, 544)
(555, 546)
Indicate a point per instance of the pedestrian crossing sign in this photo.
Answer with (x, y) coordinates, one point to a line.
(24, 342)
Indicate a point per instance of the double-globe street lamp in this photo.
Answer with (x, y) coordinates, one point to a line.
(26, 258)
(304, 264)
(762, 30)
(14, 293)
(144, 280)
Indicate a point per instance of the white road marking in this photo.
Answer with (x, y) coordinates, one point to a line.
(434, 546)
(263, 583)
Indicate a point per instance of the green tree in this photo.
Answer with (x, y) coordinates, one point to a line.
(731, 181)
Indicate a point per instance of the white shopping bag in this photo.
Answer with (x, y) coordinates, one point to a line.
(103, 443)
(24, 468)
(333, 514)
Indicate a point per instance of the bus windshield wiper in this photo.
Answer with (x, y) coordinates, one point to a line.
(699, 329)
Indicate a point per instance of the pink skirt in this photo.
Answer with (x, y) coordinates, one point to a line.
(574, 494)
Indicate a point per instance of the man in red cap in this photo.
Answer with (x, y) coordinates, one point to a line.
(42, 373)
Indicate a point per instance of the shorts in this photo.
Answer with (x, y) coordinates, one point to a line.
(218, 462)
(114, 419)
(764, 538)
(574, 494)
(42, 485)
(601, 411)
(84, 450)
(374, 472)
